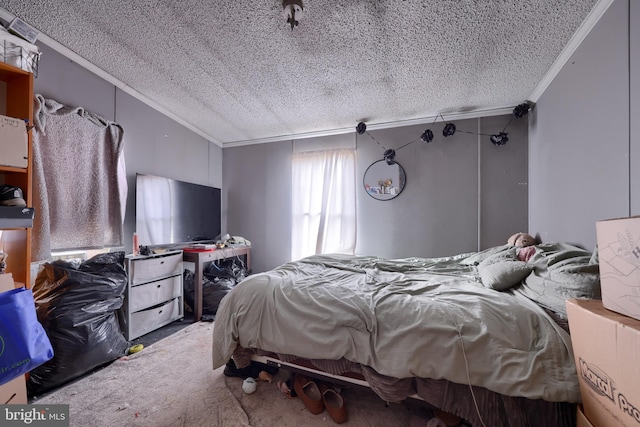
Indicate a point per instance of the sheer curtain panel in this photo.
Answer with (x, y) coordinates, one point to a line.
(324, 202)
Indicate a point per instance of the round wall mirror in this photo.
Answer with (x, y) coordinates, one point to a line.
(384, 181)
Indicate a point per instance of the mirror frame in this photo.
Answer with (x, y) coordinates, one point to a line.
(401, 184)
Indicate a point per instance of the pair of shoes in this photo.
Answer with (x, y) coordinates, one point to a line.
(318, 398)
(231, 370)
(11, 196)
(334, 404)
(309, 393)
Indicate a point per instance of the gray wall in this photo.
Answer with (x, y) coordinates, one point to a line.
(462, 192)
(634, 105)
(153, 143)
(504, 184)
(584, 153)
(257, 199)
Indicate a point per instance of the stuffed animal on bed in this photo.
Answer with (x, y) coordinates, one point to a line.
(521, 239)
(525, 242)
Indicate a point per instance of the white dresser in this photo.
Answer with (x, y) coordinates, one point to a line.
(154, 294)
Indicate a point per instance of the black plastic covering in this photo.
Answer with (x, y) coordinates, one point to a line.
(76, 304)
(218, 278)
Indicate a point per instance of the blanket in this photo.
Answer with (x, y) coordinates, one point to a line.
(415, 317)
(76, 161)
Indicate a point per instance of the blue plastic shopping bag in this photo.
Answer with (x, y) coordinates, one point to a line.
(23, 341)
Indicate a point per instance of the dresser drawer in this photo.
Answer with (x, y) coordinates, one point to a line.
(153, 293)
(146, 269)
(152, 318)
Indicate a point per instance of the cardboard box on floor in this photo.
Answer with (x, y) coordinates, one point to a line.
(15, 391)
(581, 418)
(6, 282)
(619, 258)
(606, 346)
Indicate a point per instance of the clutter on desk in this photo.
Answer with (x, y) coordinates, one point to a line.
(228, 240)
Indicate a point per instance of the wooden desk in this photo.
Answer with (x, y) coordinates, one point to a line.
(200, 259)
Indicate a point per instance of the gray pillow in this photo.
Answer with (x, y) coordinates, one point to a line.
(503, 275)
(506, 255)
(496, 251)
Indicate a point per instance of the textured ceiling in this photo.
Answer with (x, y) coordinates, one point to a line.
(236, 72)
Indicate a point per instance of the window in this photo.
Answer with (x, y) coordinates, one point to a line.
(324, 202)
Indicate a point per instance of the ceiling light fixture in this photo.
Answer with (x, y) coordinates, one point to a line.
(292, 11)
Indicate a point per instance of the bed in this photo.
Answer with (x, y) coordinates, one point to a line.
(481, 335)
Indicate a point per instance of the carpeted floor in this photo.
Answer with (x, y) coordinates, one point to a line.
(170, 383)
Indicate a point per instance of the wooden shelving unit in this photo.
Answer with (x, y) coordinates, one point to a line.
(18, 102)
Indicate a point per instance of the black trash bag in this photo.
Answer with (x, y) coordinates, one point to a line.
(212, 292)
(218, 278)
(233, 269)
(188, 286)
(76, 304)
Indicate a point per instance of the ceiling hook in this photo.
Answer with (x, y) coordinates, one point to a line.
(293, 10)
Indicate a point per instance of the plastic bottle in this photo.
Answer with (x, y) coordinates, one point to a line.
(136, 244)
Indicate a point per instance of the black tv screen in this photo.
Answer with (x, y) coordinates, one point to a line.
(169, 211)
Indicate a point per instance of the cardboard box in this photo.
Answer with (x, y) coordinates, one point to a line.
(14, 144)
(14, 392)
(581, 418)
(606, 346)
(619, 258)
(6, 282)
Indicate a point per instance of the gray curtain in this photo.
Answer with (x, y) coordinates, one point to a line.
(75, 180)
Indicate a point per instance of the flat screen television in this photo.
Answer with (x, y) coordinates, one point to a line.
(170, 212)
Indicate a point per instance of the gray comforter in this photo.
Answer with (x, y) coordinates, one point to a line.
(427, 318)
